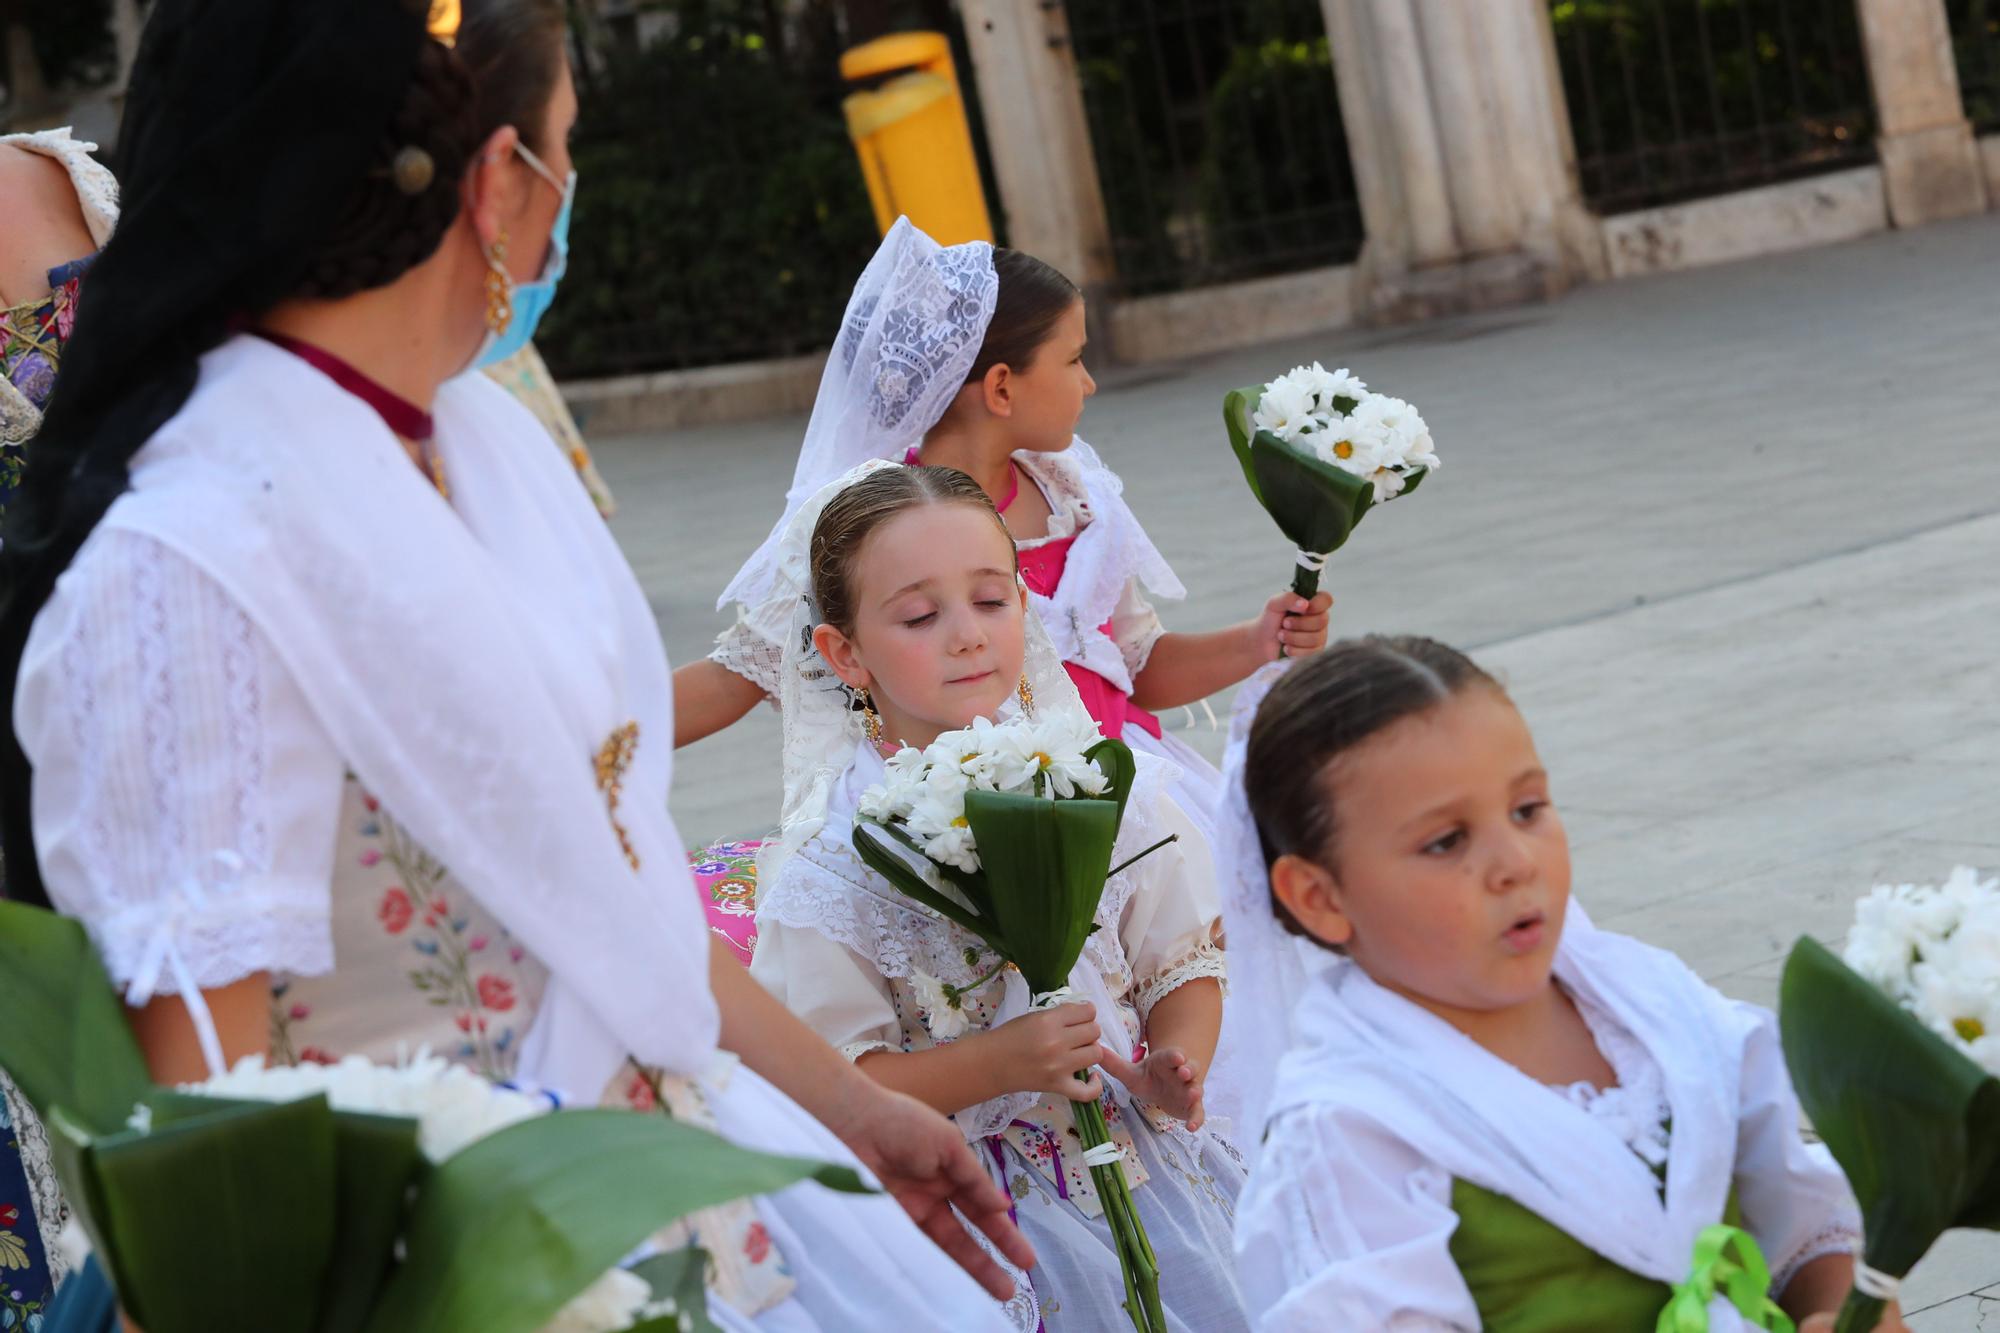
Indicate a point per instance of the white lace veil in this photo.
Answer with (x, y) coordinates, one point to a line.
(1269, 967)
(822, 726)
(912, 330)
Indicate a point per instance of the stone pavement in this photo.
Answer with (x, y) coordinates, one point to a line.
(1731, 536)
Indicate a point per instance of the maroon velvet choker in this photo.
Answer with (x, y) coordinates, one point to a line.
(399, 414)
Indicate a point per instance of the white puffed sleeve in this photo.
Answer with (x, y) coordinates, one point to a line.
(1795, 1199)
(185, 798)
(754, 646)
(1343, 1226)
(1135, 628)
(1168, 927)
(834, 991)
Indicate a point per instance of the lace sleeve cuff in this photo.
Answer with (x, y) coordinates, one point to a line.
(854, 1050)
(1840, 1234)
(219, 936)
(1202, 960)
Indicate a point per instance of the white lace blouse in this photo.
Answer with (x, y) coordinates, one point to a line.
(183, 789)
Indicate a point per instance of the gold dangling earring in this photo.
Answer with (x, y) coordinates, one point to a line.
(499, 287)
(1027, 696)
(871, 721)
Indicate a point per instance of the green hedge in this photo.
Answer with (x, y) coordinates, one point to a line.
(720, 214)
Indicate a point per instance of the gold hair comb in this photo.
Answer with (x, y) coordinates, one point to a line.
(444, 20)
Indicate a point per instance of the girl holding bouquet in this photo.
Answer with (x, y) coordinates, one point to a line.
(1476, 1108)
(972, 358)
(916, 626)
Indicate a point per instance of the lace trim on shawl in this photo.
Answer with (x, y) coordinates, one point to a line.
(1201, 960)
(1635, 1108)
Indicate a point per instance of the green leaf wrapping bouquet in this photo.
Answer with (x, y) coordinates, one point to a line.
(1894, 1054)
(1013, 826)
(353, 1198)
(1319, 451)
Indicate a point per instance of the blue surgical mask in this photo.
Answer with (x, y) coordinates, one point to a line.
(533, 299)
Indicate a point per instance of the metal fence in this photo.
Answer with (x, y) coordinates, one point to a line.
(721, 214)
(1677, 99)
(1218, 140)
(1975, 39)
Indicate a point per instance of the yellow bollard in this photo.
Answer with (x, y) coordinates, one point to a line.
(911, 134)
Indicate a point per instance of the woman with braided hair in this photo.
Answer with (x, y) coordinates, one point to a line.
(338, 719)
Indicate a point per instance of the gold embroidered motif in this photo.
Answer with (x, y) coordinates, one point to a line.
(613, 758)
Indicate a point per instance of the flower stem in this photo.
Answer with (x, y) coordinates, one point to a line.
(1134, 860)
(1858, 1314)
(1136, 1261)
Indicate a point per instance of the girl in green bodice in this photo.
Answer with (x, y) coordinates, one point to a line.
(1476, 1109)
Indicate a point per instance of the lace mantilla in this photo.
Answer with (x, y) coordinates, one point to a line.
(911, 331)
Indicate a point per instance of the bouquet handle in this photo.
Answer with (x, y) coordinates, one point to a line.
(1860, 1314)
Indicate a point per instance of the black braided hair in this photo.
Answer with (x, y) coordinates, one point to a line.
(383, 230)
(239, 192)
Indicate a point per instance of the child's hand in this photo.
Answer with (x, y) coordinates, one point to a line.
(1044, 1051)
(1166, 1078)
(1292, 623)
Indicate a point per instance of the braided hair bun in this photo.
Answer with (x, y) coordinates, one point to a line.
(386, 228)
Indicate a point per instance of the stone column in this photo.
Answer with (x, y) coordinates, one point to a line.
(1040, 139)
(1532, 113)
(1460, 143)
(1930, 163)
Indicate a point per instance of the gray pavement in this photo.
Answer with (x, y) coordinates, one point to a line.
(1731, 535)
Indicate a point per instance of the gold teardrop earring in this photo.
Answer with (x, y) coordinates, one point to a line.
(871, 721)
(499, 287)
(1026, 694)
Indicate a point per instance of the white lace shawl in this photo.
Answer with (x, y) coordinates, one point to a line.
(912, 329)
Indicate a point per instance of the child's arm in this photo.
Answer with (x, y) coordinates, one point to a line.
(1039, 1052)
(1184, 668)
(1167, 930)
(1180, 1042)
(1816, 1292)
(708, 697)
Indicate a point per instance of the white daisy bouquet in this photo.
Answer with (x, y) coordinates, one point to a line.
(1009, 830)
(1935, 951)
(1896, 1057)
(356, 1197)
(1320, 449)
